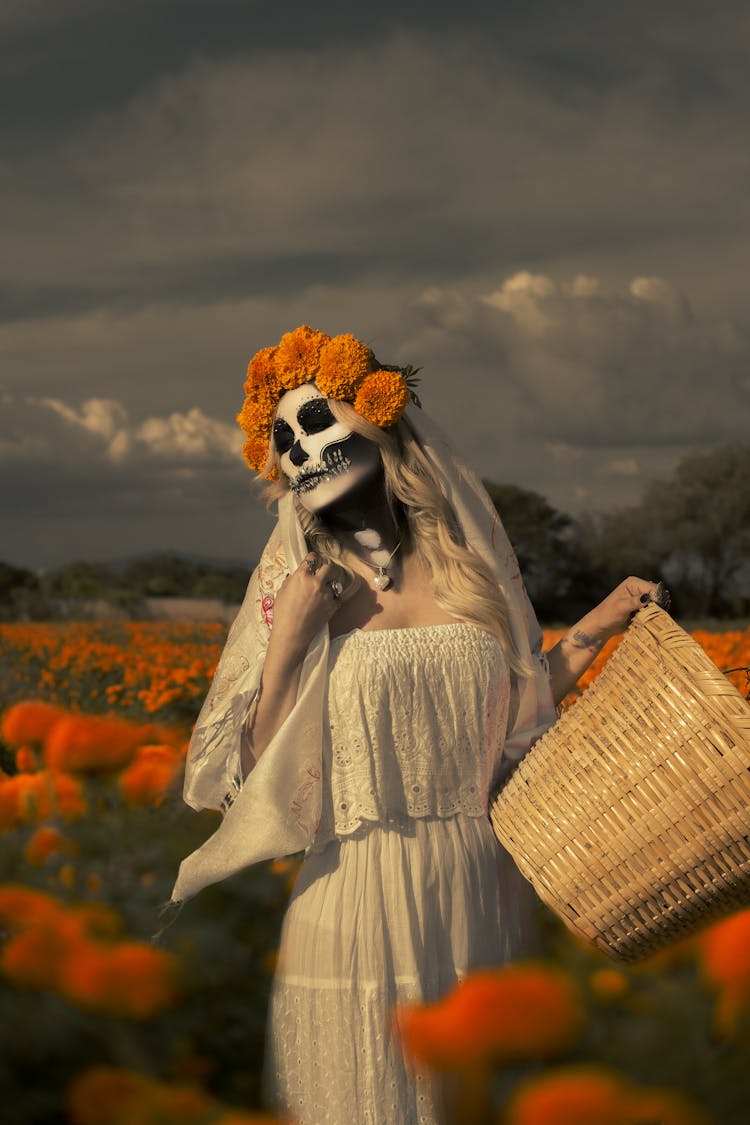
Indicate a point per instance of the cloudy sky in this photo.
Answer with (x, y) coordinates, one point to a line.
(546, 206)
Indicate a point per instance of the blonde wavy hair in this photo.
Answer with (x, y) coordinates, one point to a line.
(464, 585)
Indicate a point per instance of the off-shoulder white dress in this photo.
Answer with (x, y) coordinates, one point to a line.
(399, 896)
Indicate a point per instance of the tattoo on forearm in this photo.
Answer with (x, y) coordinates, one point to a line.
(580, 639)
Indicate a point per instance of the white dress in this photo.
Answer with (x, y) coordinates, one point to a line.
(399, 896)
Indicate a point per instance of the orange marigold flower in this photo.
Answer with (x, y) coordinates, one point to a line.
(29, 721)
(262, 379)
(132, 979)
(149, 777)
(35, 956)
(298, 356)
(22, 798)
(22, 906)
(93, 743)
(256, 418)
(67, 875)
(724, 954)
(589, 1095)
(344, 363)
(382, 398)
(98, 920)
(665, 1106)
(608, 984)
(67, 795)
(104, 1095)
(45, 842)
(512, 1014)
(26, 760)
(255, 452)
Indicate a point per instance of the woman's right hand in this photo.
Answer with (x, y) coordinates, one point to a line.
(306, 601)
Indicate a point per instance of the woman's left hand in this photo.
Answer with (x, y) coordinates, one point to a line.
(613, 614)
(573, 653)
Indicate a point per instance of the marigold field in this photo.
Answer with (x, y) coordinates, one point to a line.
(115, 1012)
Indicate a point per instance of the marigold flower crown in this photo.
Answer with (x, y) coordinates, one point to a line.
(341, 367)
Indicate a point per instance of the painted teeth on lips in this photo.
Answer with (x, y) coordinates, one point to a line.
(311, 478)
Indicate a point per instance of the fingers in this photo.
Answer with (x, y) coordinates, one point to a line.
(325, 573)
(656, 592)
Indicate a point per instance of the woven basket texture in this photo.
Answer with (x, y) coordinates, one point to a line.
(630, 815)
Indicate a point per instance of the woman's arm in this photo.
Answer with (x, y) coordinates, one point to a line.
(304, 604)
(571, 656)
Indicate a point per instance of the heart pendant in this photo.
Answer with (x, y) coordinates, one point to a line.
(381, 581)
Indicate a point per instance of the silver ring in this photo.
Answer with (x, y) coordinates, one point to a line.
(336, 588)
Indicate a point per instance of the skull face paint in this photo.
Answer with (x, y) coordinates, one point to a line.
(321, 457)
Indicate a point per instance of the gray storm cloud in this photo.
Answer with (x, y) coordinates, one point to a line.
(549, 215)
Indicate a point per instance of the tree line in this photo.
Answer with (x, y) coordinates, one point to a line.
(691, 530)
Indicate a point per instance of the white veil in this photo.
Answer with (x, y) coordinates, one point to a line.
(276, 810)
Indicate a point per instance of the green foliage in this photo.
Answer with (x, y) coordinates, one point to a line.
(693, 530)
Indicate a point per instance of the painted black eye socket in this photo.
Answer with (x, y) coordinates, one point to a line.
(315, 415)
(283, 436)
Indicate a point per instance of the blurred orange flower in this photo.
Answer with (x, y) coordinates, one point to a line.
(26, 760)
(93, 743)
(30, 721)
(105, 1095)
(148, 778)
(589, 1095)
(23, 798)
(22, 906)
(724, 955)
(130, 979)
(45, 842)
(608, 984)
(521, 1012)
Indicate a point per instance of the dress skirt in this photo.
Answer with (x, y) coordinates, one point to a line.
(389, 916)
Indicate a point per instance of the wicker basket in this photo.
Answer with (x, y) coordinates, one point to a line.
(631, 815)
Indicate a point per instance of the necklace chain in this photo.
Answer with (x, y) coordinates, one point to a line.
(382, 581)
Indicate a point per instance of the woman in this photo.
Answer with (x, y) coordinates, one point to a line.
(384, 668)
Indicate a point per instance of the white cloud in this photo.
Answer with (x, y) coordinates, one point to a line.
(190, 435)
(103, 417)
(40, 427)
(585, 364)
(621, 467)
(563, 453)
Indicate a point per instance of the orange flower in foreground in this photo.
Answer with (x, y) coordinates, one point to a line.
(22, 906)
(608, 984)
(30, 721)
(107, 1096)
(588, 1095)
(35, 796)
(104, 1095)
(45, 842)
(26, 760)
(724, 954)
(131, 979)
(93, 743)
(516, 1013)
(148, 778)
(35, 956)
